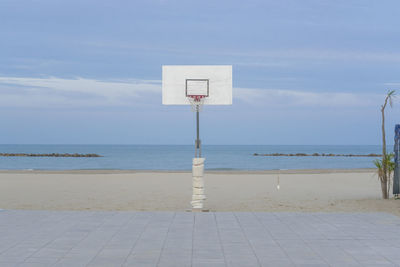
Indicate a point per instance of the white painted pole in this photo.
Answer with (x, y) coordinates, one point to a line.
(198, 196)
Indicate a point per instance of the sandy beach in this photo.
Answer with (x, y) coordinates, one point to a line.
(302, 190)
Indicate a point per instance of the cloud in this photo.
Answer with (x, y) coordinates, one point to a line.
(55, 92)
(291, 98)
(262, 64)
(317, 55)
(286, 55)
(58, 92)
(392, 84)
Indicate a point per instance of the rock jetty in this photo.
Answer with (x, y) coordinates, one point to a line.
(75, 155)
(316, 155)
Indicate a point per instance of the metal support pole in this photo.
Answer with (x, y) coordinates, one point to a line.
(198, 196)
(198, 142)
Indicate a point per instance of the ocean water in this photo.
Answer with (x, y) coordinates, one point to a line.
(179, 157)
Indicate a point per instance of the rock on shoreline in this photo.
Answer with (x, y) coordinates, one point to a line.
(75, 155)
(316, 155)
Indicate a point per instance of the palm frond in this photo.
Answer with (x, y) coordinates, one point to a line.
(388, 162)
(378, 163)
(391, 93)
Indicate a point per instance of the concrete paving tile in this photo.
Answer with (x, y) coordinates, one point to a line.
(367, 256)
(341, 264)
(208, 254)
(143, 258)
(4, 259)
(242, 262)
(375, 261)
(208, 263)
(114, 253)
(312, 264)
(382, 265)
(140, 262)
(334, 254)
(49, 261)
(19, 252)
(174, 264)
(276, 262)
(50, 253)
(71, 262)
(219, 239)
(34, 264)
(9, 264)
(179, 260)
(287, 243)
(106, 262)
(215, 246)
(271, 253)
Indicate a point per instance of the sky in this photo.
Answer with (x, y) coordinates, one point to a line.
(304, 72)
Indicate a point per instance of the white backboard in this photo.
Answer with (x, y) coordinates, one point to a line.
(213, 81)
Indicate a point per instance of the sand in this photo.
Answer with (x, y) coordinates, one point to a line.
(305, 191)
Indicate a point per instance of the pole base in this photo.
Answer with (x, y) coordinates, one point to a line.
(198, 210)
(198, 196)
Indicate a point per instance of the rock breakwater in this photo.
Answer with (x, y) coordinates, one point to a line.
(75, 155)
(316, 155)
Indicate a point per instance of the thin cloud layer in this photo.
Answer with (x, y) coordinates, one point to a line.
(291, 98)
(81, 92)
(318, 55)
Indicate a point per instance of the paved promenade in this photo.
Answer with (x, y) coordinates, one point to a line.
(78, 238)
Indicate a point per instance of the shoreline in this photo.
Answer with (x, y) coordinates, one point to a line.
(121, 171)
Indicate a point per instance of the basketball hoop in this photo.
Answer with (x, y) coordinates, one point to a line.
(197, 86)
(196, 101)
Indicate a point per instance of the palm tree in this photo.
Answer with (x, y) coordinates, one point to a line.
(389, 165)
(384, 169)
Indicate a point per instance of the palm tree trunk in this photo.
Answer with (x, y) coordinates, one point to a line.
(383, 133)
(384, 178)
(385, 194)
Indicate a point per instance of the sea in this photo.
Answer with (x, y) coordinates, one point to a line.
(179, 157)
